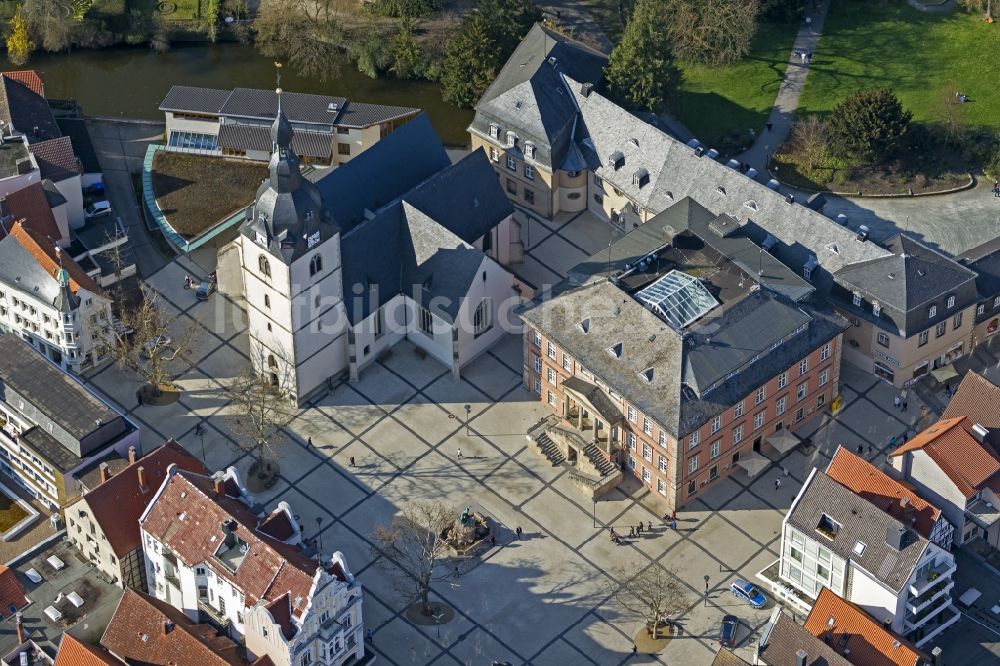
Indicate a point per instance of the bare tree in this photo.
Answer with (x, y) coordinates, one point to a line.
(712, 32)
(653, 593)
(141, 340)
(984, 6)
(810, 139)
(261, 406)
(951, 112)
(413, 542)
(303, 33)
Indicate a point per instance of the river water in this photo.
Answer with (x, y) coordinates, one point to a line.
(131, 82)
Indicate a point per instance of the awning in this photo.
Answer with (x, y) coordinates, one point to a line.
(753, 463)
(944, 374)
(783, 441)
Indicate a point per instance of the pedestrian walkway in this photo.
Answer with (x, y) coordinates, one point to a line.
(787, 101)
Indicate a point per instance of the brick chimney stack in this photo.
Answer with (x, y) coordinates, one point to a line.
(19, 626)
(220, 486)
(131, 455)
(141, 472)
(105, 472)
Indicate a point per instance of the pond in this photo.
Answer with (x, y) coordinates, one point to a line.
(131, 82)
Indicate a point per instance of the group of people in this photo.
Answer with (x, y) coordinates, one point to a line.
(803, 56)
(901, 401)
(637, 530)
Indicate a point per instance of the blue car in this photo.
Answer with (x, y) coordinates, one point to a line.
(748, 592)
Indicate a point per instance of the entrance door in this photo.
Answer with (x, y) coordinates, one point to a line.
(756, 446)
(571, 456)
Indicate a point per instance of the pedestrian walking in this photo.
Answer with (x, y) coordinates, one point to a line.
(638, 530)
(673, 524)
(896, 401)
(456, 572)
(892, 442)
(861, 449)
(904, 396)
(309, 442)
(906, 436)
(635, 650)
(673, 516)
(352, 461)
(518, 531)
(631, 532)
(460, 454)
(996, 188)
(138, 396)
(769, 126)
(649, 526)
(777, 484)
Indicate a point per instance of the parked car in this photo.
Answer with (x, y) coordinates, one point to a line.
(98, 209)
(748, 592)
(727, 632)
(205, 288)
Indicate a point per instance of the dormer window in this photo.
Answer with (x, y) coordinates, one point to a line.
(876, 309)
(857, 299)
(721, 190)
(647, 375)
(811, 265)
(585, 326)
(616, 160)
(751, 204)
(640, 178)
(828, 527)
(529, 150)
(616, 350)
(511, 139)
(951, 302)
(495, 131)
(932, 312)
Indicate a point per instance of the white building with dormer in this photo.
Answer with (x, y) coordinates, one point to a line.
(212, 555)
(398, 243)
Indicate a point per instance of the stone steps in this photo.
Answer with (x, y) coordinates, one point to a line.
(549, 449)
(598, 460)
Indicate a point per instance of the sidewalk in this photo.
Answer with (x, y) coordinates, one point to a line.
(787, 101)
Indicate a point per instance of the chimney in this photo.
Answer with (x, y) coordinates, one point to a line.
(936, 655)
(19, 626)
(168, 626)
(800, 657)
(904, 502)
(220, 486)
(586, 89)
(131, 455)
(980, 433)
(141, 473)
(894, 537)
(105, 472)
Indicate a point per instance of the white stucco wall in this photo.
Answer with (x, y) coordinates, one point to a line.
(498, 287)
(935, 486)
(875, 599)
(72, 189)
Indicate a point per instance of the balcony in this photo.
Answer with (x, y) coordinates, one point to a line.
(929, 631)
(927, 579)
(913, 622)
(942, 586)
(214, 616)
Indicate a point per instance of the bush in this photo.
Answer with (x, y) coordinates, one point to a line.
(641, 74)
(403, 8)
(993, 166)
(867, 125)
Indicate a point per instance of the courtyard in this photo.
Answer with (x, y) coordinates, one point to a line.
(541, 599)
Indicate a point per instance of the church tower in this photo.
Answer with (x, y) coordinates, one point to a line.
(290, 250)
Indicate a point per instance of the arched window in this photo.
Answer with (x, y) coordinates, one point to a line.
(482, 320)
(267, 301)
(264, 266)
(315, 264)
(271, 361)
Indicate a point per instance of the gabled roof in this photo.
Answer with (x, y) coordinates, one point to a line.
(73, 652)
(56, 159)
(258, 137)
(961, 456)
(138, 635)
(188, 517)
(885, 492)
(785, 637)
(359, 114)
(976, 398)
(31, 205)
(23, 105)
(29, 260)
(12, 595)
(852, 629)
(118, 503)
(83, 146)
(908, 278)
(860, 522)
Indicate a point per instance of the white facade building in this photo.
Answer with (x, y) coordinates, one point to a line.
(211, 557)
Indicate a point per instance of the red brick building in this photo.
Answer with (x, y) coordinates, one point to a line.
(680, 374)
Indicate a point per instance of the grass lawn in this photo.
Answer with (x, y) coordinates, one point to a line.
(11, 513)
(716, 101)
(196, 192)
(867, 43)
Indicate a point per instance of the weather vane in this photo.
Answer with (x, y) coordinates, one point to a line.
(277, 69)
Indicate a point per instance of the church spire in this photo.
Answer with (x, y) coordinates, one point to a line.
(281, 130)
(67, 301)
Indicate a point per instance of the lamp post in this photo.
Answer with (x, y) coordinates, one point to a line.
(468, 415)
(706, 590)
(319, 537)
(437, 621)
(595, 513)
(201, 434)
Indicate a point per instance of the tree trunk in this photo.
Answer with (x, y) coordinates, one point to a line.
(656, 628)
(425, 604)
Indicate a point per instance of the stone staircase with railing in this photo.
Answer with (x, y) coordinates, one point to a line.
(591, 470)
(549, 449)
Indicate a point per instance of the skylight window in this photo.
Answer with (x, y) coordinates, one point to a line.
(677, 298)
(859, 549)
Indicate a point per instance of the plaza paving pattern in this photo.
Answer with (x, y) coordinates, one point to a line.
(543, 599)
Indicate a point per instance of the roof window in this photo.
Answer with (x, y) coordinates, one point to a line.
(616, 160)
(494, 131)
(721, 190)
(828, 527)
(647, 374)
(859, 548)
(585, 325)
(751, 204)
(616, 350)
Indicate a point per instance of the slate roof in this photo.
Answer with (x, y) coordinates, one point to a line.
(28, 262)
(270, 569)
(359, 114)
(374, 178)
(56, 159)
(54, 197)
(785, 637)
(83, 147)
(885, 492)
(73, 652)
(860, 521)
(136, 635)
(596, 396)
(868, 642)
(964, 459)
(23, 105)
(194, 99)
(258, 137)
(50, 448)
(976, 398)
(31, 205)
(530, 97)
(118, 503)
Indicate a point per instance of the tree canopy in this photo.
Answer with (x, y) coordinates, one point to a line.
(641, 73)
(868, 124)
(19, 45)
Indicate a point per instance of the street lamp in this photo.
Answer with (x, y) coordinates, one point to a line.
(468, 415)
(319, 537)
(437, 621)
(201, 434)
(595, 513)
(706, 590)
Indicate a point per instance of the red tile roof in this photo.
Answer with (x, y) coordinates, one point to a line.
(281, 610)
(138, 635)
(12, 596)
(277, 525)
(28, 78)
(119, 502)
(977, 398)
(30, 206)
(188, 517)
(72, 652)
(44, 252)
(56, 159)
(952, 445)
(885, 492)
(869, 643)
